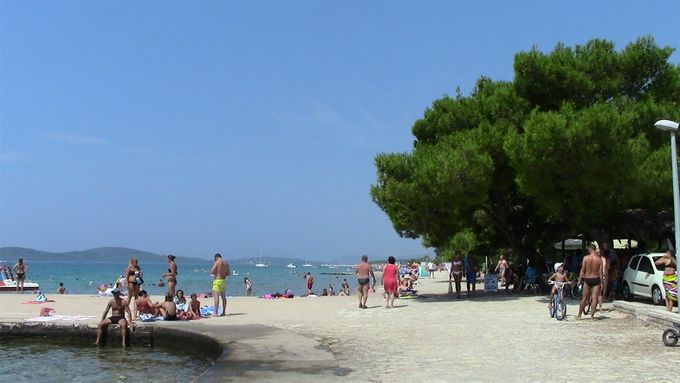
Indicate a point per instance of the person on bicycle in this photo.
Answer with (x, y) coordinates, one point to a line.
(559, 276)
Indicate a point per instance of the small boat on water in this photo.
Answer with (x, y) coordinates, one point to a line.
(261, 264)
(291, 266)
(234, 273)
(9, 283)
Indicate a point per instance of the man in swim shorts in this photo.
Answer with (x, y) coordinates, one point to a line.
(591, 275)
(118, 308)
(364, 273)
(220, 271)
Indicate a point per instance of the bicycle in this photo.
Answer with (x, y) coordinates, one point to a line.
(558, 309)
(670, 336)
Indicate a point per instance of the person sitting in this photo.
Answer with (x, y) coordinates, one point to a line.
(118, 309)
(324, 293)
(330, 289)
(168, 308)
(61, 289)
(194, 311)
(344, 288)
(181, 301)
(145, 306)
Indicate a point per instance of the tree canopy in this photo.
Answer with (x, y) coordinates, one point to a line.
(567, 147)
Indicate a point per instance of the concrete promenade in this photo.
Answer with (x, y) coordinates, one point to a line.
(436, 338)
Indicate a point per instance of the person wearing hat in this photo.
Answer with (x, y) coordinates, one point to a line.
(559, 276)
(118, 309)
(171, 274)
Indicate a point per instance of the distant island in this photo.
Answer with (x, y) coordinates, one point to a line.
(123, 254)
(100, 254)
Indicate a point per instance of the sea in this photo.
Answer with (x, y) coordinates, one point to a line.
(194, 277)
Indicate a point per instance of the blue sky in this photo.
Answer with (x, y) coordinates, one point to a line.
(246, 127)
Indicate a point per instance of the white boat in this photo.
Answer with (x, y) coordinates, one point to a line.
(291, 266)
(307, 265)
(8, 283)
(234, 272)
(261, 265)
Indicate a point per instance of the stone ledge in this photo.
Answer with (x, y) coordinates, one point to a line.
(648, 313)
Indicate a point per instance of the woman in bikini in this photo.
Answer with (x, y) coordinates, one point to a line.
(670, 278)
(134, 278)
(501, 268)
(457, 272)
(20, 268)
(171, 274)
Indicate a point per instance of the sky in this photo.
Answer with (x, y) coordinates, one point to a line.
(247, 128)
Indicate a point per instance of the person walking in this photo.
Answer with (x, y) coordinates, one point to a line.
(220, 271)
(248, 286)
(390, 281)
(364, 273)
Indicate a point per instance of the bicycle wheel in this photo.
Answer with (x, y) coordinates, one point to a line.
(551, 310)
(577, 291)
(670, 337)
(560, 309)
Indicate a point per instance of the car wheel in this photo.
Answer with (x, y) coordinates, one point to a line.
(657, 297)
(626, 292)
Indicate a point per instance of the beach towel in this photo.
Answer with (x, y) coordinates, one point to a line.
(36, 302)
(207, 310)
(52, 318)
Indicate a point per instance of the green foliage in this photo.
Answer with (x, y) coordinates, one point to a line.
(564, 148)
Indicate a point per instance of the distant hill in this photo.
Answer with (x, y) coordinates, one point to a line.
(100, 254)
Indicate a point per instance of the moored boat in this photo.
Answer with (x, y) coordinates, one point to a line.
(8, 281)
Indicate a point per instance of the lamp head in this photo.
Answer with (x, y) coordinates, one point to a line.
(666, 125)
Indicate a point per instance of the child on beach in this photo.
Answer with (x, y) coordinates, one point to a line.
(194, 308)
(559, 276)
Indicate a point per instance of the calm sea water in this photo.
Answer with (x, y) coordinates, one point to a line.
(82, 278)
(38, 361)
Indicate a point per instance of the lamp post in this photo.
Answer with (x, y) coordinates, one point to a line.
(672, 127)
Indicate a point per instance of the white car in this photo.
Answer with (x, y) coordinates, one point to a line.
(643, 278)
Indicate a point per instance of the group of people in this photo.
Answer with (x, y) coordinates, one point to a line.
(175, 306)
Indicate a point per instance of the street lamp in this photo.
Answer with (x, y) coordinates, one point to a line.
(672, 127)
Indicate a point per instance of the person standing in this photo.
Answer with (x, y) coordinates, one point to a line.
(501, 268)
(61, 289)
(220, 271)
(457, 272)
(309, 280)
(670, 278)
(135, 278)
(364, 273)
(390, 281)
(20, 269)
(248, 285)
(171, 274)
(471, 270)
(591, 274)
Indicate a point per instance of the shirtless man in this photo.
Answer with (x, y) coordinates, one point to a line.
(364, 271)
(118, 308)
(20, 269)
(168, 308)
(591, 274)
(220, 271)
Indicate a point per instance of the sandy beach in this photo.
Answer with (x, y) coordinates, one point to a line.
(492, 337)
